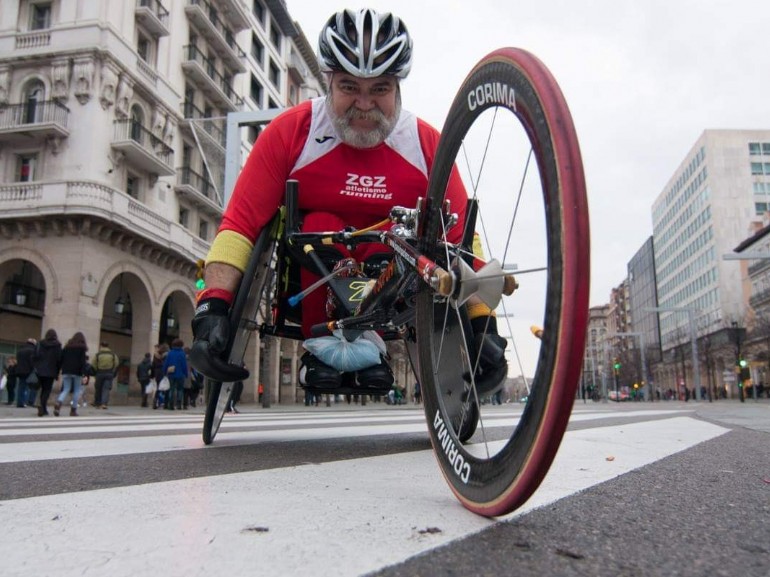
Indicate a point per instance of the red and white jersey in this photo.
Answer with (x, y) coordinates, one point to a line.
(358, 185)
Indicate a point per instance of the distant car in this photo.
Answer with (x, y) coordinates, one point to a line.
(524, 399)
(613, 396)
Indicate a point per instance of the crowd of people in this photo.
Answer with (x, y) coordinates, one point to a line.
(42, 368)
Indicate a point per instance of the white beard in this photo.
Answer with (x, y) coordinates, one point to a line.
(363, 139)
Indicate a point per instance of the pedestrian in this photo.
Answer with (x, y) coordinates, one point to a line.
(175, 368)
(47, 365)
(417, 393)
(260, 391)
(88, 372)
(235, 397)
(25, 397)
(159, 355)
(106, 364)
(143, 375)
(73, 367)
(10, 375)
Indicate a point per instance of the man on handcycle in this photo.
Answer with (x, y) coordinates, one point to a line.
(355, 154)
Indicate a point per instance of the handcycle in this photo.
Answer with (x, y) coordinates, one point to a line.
(510, 136)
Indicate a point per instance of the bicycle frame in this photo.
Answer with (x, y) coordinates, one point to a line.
(389, 304)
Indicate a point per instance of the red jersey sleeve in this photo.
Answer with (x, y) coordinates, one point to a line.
(259, 190)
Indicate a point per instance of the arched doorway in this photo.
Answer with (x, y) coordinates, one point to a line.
(127, 329)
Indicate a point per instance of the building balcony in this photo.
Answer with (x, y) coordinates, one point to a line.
(97, 209)
(760, 299)
(298, 70)
(218, 36)
(235, 12)
(33, 121)
(210, 81)
(141, 148)
(153, 17)
(198, 190)
(195, 120)
(758, 267)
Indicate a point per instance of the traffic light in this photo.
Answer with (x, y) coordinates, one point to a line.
(745, 371)
(200, 281)
(616, 365)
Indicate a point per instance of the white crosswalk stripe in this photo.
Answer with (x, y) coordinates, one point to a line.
(309, 519)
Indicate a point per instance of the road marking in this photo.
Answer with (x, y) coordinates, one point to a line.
(340, 518)
(135, 444)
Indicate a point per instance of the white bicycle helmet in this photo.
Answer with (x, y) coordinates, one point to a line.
(366, 44)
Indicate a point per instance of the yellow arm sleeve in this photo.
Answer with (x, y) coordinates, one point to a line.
(230, 248)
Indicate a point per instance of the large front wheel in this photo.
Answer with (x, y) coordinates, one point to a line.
(253, 304)
(510, 138)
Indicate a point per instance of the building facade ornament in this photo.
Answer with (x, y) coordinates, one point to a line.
(158, 121)
(168, 130)
(60, 79)
(5, 84)
(125, 93)
(109, 81)
(83, 78)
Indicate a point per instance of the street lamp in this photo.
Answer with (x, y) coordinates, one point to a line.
(693, 341)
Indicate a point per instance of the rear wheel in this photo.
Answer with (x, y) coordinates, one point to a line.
(510, 135)
(253, 304)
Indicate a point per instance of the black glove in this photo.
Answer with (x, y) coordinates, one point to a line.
(490, 347)
(211, 334)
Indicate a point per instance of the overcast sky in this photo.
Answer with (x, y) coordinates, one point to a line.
(643, 79)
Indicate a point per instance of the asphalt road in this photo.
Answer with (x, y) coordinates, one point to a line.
(353, 490)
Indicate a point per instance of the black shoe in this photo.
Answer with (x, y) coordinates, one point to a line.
(314, 373)
(375, 377)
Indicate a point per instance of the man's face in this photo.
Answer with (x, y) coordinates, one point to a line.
(364, 110)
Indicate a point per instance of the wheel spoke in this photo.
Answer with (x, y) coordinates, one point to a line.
(494, 457)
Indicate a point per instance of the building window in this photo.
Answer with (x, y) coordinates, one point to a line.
(33, 95)
(186, 155)
(275, 35)
(756, 168)
(26, 165)
(255, 91)
(259, 11)
(40, 16)
(203, 230)
(766, 148)
(144, 48)
(760, 208)
(132, 186)
(257, 49)
(271, 103)
(184, 217)
(252, 135)
(754, 149)
(136, 124)
(274, 75)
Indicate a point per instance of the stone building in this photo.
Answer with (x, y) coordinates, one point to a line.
(112, 142)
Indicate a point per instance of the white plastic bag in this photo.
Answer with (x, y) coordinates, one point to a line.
(346, 356)
(164, 385)
(150, 387)
(3, 382)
